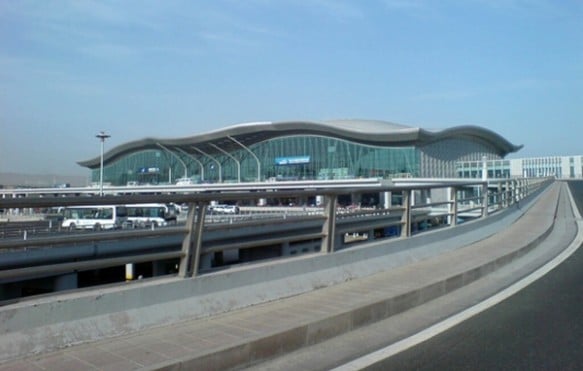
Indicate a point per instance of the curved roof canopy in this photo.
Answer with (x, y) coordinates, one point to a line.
(377, 133)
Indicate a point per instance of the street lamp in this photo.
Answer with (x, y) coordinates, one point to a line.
(102, 136)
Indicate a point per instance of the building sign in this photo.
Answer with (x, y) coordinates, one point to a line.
(295, 160)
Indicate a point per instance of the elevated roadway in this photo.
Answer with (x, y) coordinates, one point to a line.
(535, 324)
(423, 269)
(524, 315)
(223, 233)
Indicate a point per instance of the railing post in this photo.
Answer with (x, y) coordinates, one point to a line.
(406, 217)
(499, 197)
(506, 194)
(485, 199)
(191, 246)
(453, 207)
(329, 227)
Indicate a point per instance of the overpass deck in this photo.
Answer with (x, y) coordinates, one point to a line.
(254, 334)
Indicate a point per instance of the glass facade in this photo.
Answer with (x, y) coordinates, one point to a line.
(473, 169)
(543, 166)
(330, 158)
(148, 166)
(285, 158)
(442, 159)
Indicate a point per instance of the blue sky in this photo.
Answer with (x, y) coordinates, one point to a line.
(69, 69)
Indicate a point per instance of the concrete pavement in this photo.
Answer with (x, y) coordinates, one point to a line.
(266, 330)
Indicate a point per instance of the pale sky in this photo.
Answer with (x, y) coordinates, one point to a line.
(166, 69)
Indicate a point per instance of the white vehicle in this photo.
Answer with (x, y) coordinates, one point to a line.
(184, 182)
(224, 209)
(147, 215)
(93, 217)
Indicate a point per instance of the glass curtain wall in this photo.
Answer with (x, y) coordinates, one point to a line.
(287, 158)
(316, 157)
(144, 167)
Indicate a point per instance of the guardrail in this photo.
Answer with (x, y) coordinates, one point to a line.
(406, 205)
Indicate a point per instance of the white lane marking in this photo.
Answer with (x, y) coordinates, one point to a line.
(381, 354)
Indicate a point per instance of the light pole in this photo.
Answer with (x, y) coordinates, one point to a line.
(102, 136)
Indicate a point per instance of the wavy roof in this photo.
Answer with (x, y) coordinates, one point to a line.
(377, 133)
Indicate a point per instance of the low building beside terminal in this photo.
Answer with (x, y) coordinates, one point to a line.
(303, 150)
(561, 167)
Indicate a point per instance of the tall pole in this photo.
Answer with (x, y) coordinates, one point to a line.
(102, 136)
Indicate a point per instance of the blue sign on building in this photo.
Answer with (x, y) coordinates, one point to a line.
(294, 160)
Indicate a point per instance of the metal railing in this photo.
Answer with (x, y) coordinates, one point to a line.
(404, 208)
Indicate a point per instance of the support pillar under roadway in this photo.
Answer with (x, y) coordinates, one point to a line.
(329, 227)
(191, 246)
(65, 282)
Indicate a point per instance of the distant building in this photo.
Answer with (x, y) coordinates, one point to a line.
(274, 151)
(562, 167)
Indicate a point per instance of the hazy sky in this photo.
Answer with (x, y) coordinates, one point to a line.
(69, 69)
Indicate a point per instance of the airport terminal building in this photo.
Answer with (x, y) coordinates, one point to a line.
(294, 150)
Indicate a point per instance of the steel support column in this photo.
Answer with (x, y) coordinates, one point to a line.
(194, 159)
(232, 158)
(214, 159)
(179, 160)
(252, 154)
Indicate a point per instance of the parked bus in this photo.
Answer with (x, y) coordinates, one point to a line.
(94, 217)
(146, 215)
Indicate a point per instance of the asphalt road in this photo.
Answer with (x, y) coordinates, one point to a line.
(540, 328)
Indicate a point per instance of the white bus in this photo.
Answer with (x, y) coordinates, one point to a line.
(94, 217)
(147, 215)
